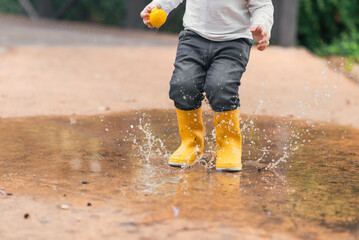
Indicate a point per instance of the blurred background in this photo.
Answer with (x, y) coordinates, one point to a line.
(326, 27)
(91, 56)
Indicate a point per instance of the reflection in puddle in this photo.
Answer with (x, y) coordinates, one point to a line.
(312, 178)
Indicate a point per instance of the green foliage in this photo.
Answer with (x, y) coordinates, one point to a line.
(330, 27)
(347, 46)
(10, 6)
(99, 11)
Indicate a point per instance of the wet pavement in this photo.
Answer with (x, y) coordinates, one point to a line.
(300, 180)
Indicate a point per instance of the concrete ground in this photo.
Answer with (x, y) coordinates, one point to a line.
(51, 68)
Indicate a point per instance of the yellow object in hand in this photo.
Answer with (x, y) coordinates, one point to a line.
(158, 17)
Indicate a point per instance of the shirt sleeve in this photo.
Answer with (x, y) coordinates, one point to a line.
(168, 5)
(261, 12)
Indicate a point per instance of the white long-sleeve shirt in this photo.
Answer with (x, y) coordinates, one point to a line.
(223, 20)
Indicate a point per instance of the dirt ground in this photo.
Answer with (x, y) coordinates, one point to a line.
(66, 69)
(86, 178)
(56, 78)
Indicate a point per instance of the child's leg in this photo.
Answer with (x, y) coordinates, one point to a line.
(186, 90)
(187, 82)
(224, 75)
(221, 87)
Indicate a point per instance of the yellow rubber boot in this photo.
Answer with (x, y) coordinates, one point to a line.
(192, 133)
(229, 141)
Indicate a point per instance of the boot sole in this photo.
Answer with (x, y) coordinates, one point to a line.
(229, 169)
(174, 164)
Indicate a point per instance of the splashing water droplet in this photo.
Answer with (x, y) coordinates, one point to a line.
(176, 211)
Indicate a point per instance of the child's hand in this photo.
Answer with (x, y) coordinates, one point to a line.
(261, 35)
(145, 14)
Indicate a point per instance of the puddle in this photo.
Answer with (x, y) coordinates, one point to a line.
(299, 178)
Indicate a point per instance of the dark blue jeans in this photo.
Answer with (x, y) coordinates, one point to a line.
(210, 67)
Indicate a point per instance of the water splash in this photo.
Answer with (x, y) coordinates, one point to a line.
(150, 146)
(176, 211)
(255, 137)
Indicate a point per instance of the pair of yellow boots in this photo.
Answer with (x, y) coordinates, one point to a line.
(228, 139)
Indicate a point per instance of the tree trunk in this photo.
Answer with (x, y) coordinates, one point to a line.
(133, 9)
(28, 8)
(284, 32)
(45, 8)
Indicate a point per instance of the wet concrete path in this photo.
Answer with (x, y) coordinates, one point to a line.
(300, 180)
